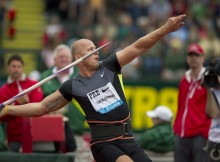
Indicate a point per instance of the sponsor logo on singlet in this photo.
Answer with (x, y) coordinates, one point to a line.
(104, 99)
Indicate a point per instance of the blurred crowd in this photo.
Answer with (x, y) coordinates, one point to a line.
(122, 22)
(7, 17)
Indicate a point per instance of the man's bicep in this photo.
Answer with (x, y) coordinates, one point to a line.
(128, 54)
(54, 101)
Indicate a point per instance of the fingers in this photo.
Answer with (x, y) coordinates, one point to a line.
(181, 18)
(174, 23)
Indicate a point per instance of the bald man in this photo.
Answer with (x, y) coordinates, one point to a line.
(74, 120)
(99, 91)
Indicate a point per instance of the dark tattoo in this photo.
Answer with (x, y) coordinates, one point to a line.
(58, 103)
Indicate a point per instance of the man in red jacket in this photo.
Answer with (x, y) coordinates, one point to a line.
(17, 82)
(191, 125)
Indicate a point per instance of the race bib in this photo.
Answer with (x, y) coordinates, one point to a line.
(105, 99)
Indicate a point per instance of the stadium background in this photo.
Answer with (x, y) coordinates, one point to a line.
(33, 28)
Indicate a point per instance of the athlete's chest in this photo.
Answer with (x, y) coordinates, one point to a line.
(99, 91)
(94, 84)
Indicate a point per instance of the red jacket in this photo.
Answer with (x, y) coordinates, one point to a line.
(191, 119)
(7, 91)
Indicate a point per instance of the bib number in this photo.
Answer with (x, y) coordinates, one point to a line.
(105, 99)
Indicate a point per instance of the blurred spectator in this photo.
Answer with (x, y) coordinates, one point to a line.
(138, 8)
(160, 9)
(178, 7)
(63, 10)
(125, 25)
(9, 21)
(17, 82)
(11, 31)
(3, 9)
(210, 43)
(54, 34)
(97, 9)
(59, 7)
(106, 28)
(215, 16)
(160, 137)
(85, 22)
(76, 9)
(191, 125)
(197, 9)
(11, 14)
(74, 120)
(126, 20)
(131, 70)
(51, 6)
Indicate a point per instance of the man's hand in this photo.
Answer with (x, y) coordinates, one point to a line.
(174, 23)
(4, 111)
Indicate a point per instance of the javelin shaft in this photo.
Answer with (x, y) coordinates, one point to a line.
(11, 100)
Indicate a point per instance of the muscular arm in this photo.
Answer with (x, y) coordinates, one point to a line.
(146, 42)
(211, 105)
(53, 102)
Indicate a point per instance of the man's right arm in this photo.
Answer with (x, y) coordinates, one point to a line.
(144, 43)
(211, 106)
(51, 103)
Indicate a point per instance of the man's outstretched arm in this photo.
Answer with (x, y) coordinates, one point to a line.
(143, 44)
(53, 102)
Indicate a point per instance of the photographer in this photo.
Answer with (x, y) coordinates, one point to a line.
(211, 81)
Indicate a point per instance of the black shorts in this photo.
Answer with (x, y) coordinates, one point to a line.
(110, 151)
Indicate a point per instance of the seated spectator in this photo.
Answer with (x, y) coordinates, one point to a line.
(160, 137)
(53, 35)
(73, 119)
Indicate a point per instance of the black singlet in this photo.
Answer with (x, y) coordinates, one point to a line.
(100, 96)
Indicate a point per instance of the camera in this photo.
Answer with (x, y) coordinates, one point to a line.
(215, 153)
(210, 76)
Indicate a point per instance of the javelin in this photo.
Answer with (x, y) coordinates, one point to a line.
(11, 100)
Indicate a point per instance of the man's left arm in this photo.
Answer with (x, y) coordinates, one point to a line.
(143, 44)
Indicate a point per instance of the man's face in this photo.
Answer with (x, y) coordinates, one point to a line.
(63, 58)
(92, 61)
(15, 69)
(195, 60)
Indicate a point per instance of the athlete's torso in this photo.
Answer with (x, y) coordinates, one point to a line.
(100, 96)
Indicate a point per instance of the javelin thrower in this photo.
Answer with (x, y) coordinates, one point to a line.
(98, 88)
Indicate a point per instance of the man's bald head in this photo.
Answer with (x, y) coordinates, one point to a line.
(78, 46)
